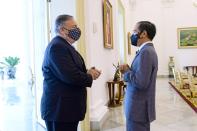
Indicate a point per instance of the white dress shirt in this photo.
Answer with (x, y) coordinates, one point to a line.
(144, 45)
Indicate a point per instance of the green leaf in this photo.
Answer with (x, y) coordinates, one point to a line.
(11, 61)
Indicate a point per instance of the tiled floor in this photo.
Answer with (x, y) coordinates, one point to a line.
(173, 114)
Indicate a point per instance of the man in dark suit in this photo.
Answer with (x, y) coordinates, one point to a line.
(63, 102)
(141, 79)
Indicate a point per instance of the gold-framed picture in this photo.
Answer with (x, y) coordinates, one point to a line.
(108, 24)
(187, 37)
(129, 43)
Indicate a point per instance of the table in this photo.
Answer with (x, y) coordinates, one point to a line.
(113, 100)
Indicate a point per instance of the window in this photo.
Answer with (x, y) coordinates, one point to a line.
(121, 33)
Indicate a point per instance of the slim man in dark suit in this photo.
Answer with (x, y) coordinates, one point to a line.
(63, 102)
(141, 79)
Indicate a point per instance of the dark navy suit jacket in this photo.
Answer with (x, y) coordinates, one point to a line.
(65, 81)
(141, 82)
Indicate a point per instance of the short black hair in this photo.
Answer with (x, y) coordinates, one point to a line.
(60, 21)
(148, 27)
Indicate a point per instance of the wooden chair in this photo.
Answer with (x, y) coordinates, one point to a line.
(176, 78)
(184, 81)
(193, 85)
(184, 84)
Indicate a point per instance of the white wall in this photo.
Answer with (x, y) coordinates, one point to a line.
(98, 56)
(59, 7)
(168, 17)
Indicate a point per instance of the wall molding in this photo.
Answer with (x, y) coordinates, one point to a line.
(162, 76)
(98, 110)
(98, 115)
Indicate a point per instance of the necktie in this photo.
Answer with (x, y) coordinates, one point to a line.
(137, 52)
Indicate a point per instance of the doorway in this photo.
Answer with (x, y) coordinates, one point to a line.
(16, 93)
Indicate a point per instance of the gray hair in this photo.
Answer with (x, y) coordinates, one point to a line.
(59, 22)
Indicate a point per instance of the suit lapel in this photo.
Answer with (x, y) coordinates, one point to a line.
(148, 44)
(82, 61)
(77, 58)
(135, 57)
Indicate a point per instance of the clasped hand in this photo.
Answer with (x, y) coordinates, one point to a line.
(124, 68)
(95, 73)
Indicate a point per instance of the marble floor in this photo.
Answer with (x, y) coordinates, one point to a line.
(17, 107)
(173, 113)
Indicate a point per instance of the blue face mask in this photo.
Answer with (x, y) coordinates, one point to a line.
(134, 38)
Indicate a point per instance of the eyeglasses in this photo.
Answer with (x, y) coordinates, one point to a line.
(75, 26)
(65, 28)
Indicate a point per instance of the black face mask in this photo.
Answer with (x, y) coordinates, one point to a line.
(74, 33)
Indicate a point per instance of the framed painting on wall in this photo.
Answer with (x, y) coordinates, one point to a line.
(108, 24)
(129, 43)
(187, 37)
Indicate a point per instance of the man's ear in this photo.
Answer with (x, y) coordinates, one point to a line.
(145, 33)
(62, 30)
(141, 34)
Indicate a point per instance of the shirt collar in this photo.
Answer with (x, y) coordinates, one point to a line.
(144, 45)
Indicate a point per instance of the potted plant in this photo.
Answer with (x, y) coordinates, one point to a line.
(10, 63)
(117, 74)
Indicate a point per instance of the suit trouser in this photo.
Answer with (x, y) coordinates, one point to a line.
(137, 126)
(61, 126)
